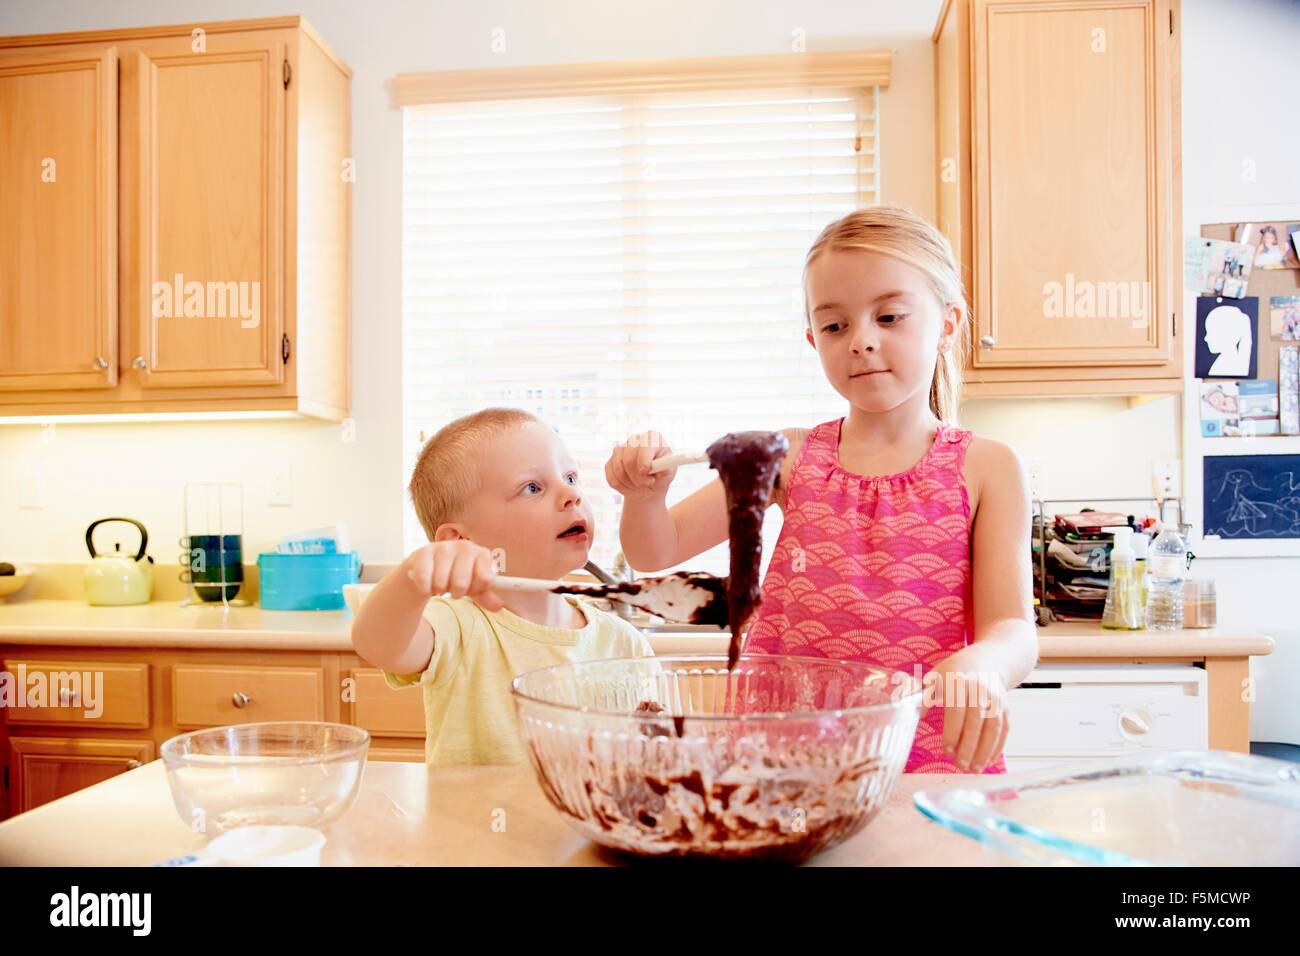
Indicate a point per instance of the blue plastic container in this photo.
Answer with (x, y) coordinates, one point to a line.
(306, 582)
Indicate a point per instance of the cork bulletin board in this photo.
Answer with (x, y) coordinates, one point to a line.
(1262, 284)
(1243, 493)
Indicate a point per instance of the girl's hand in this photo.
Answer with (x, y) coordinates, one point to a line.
(973, 696)
(628, 469)
(457, 568)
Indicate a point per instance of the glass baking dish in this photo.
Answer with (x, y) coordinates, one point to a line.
(1187, 808)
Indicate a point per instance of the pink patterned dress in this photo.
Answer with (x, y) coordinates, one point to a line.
(874, 569)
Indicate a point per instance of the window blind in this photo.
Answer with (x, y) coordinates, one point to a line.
(615, 264)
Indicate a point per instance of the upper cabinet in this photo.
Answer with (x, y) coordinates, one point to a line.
(58, 220)
(224, 200)
(1058, 185)
(203, 165)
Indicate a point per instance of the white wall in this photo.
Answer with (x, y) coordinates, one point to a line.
(1094, 447)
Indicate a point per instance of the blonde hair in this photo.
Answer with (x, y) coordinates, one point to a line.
(444, 476)
(897, 232)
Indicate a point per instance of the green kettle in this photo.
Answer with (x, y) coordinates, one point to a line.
(117, 578)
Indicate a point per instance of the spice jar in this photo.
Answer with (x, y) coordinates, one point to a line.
(1199, 603)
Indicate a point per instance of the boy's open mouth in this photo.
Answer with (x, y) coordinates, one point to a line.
(575, 529)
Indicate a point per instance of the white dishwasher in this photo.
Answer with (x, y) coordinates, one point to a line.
(1065, 713)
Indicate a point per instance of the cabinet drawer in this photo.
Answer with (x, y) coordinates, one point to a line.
(94, 693)
(206, 696)
(383, 711)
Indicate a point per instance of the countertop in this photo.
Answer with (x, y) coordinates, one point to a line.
(413, 815)
(167, 624)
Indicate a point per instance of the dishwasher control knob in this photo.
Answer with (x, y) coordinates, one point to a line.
(1135, 723)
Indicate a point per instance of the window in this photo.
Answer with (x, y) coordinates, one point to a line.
(620, 263)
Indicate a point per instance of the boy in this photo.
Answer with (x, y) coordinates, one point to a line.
(498, 480)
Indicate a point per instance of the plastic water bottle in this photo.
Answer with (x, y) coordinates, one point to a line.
(1166, 570)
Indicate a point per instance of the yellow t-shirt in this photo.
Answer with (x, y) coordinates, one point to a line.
(469, 715)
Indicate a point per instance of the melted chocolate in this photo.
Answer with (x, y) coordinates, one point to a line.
(685, 814)
(712, 608)
(654, 730)
(749, 464)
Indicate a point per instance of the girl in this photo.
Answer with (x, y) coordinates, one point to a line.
(905, 539)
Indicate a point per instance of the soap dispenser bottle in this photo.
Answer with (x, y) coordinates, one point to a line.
(1123, 610)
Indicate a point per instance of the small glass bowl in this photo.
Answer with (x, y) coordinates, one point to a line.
(296, 773)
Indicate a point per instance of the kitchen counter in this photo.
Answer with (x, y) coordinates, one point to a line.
(167, 624)
(413, 815)
(1073, 641)
(1224, 652)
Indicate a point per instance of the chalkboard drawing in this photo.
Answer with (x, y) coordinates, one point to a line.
(1229, 333)
(1243, 509)
(1255, 501)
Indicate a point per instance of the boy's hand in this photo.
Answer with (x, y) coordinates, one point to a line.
(974, 702)
(456, 568)
(628, 469)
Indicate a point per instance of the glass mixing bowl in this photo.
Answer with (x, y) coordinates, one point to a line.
(302, 773)
(677, 756)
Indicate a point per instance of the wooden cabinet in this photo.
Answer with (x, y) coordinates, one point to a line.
(126, 702)
(205, 696)
(203, 146)
(86, 692)
(1057, 132)
(382, 710)
(58, 220)
(42, 769)
(196, 255)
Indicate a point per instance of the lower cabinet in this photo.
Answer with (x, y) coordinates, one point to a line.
(81, 715)
(206, 696)
(383, 711)
(42, 769)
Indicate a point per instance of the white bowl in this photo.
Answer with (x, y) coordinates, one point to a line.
(13, 583)
(268, 846)
(354, 594)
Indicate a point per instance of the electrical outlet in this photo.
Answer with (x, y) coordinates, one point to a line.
(1165, 482)
(1034, 476)
(281, 495)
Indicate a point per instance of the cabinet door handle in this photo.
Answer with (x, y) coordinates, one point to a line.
(988, 341)
(240, 699)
